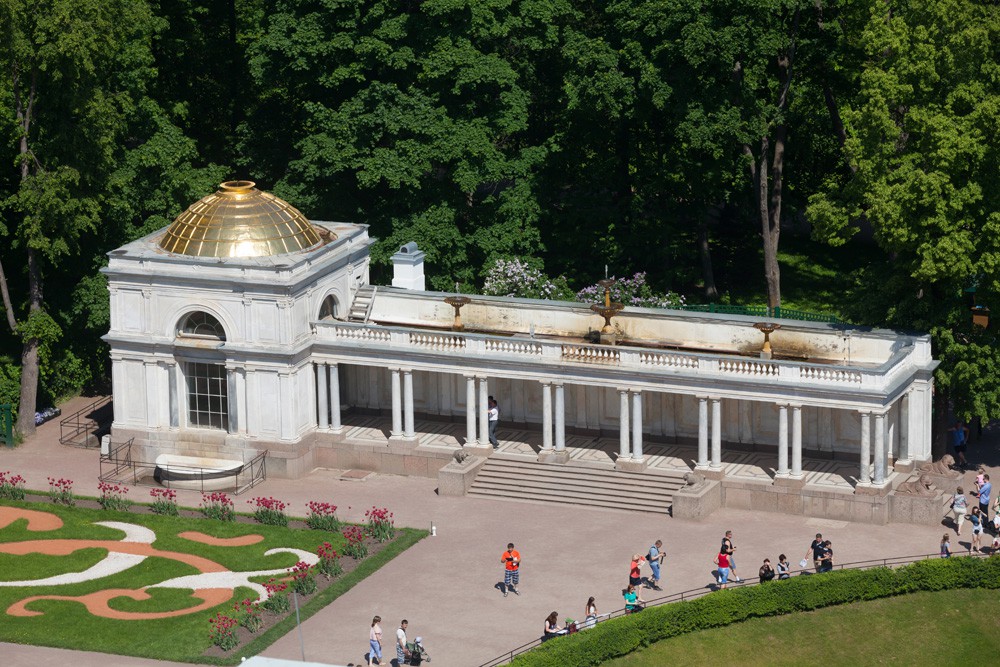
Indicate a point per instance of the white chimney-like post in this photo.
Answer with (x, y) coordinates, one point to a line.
(408, 267)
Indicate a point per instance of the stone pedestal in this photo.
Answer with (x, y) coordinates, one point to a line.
(630, 465)
(919, 509)
(697, 502)
(455, 478)
(609, 338)
(873, 489)
(790, 482)
(904, 465)
(553, 456)
(710, 473)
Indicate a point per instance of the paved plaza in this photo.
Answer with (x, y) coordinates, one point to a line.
(445, 585)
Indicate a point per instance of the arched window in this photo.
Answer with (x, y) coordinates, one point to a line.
(200, 324)
(328, 311)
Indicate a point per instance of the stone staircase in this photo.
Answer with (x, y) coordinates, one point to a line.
(572, 484)
(361, 308)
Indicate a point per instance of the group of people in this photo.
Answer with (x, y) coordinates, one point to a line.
(820, 550)
(407, 653)
(979, 516)
(553, 629)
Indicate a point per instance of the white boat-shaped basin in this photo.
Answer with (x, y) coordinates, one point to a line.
(196, 472)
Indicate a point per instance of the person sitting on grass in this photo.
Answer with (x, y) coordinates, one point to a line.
(633, 601)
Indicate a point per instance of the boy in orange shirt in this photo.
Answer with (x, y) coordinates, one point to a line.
(511, 560)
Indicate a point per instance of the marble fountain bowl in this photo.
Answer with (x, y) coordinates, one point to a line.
(177, 471)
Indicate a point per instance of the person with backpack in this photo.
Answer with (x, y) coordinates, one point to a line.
(655, 559)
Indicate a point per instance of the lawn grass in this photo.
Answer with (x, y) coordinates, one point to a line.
(927, 628)
(67, 624)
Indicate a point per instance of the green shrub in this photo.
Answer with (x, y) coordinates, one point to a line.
(620, 636)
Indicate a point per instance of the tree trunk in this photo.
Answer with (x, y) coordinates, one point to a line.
(705, 253)
(29, 354)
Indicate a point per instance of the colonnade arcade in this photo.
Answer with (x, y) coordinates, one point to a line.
(875, 437)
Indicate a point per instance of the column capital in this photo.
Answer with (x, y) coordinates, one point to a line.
(701, 397)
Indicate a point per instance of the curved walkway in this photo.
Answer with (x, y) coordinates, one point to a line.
(444, 585)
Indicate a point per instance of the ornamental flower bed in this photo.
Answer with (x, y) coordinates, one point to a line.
(248, 613)
(355, 547)
(62, 491)
(329, 561)
(303, 578)
(322, 516)
(223, 632)
(113, 497)
(277, 597)
(269, 511)
(164, 502)
(217, 506)
(12, 486)
(379, 524)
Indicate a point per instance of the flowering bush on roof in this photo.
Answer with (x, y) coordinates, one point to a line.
(634, 291)
(519, 278)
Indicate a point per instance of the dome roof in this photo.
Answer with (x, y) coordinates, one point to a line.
(239, 221)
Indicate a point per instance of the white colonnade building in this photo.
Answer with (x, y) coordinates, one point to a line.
(244, 327)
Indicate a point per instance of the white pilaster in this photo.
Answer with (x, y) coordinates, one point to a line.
(797, 441)
(470, 410)
(397, 405)
(904, 428)
(174, 398)
(783, 440)
(623, 436)
(703, 431)
(333, 377)
(322, 399)
(880, 455)
(232, 400)
(864, 476)
(546, 416)
(637, 426)
(484, 408)
(560, 418)
(408, 404)
(716, 434)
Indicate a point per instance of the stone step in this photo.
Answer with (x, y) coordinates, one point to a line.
(577, 485)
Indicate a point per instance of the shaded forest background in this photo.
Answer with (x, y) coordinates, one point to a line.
(843, 151)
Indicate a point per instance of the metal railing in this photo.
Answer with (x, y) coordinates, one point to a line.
(118, 466)
(761, 311)
(85, 423)
(684, 596)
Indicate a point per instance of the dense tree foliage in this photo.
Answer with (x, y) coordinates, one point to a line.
(677, 140)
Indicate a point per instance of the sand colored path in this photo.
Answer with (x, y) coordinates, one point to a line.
(97, 603)
(202, 538)
(37, 521)
(66, 547)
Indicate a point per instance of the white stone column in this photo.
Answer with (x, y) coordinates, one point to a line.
(242, 418)
(716, 434)
(333, 378)
(408, 431)
(864, 476)
(880, 456)
(904, 428)
(484, 408)
(637, 426)
(797, 441)
(560, 418)
(623, 435)
(232, 400)
(322, 399)
(397, 405)
(703, 431)
(783, 440)
(174, 398)
(546, 416)
(470, 410)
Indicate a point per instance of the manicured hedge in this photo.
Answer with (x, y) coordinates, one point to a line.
(620, 636)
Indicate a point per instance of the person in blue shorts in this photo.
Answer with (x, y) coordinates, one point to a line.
(655, 559)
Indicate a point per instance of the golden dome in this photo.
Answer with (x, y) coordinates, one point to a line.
(239, 221)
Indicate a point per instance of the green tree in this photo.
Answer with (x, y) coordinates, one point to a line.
(73, 70)
(920, 143)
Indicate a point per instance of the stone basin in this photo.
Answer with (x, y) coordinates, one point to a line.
(196, 472)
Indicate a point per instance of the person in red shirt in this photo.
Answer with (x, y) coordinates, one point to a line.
(634, 577)
(511, 560)
(722, 560)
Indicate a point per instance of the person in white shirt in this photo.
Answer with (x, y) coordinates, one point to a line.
(401, 649)
(493, 416)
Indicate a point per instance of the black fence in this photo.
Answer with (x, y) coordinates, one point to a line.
(119, 466)
(85, 427)
(708, 590)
